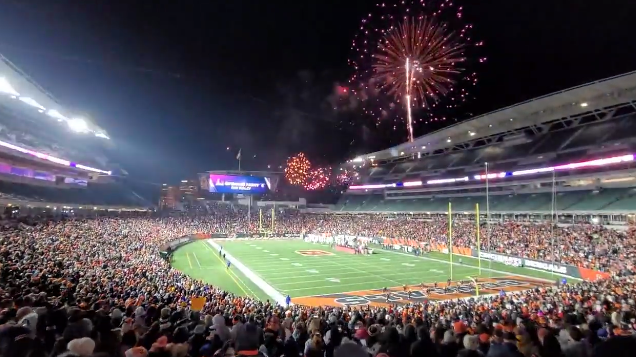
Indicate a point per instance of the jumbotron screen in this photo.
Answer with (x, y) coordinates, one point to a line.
(239, 184)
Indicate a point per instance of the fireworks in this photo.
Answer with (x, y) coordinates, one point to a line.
(297, 170)
(412, 55)
(318, 178)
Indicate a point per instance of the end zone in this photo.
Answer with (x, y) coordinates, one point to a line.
(419, 294)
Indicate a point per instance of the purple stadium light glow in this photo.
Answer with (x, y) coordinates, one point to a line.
(570, 166)
(54, 159)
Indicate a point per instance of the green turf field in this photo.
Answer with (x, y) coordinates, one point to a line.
(279, 264)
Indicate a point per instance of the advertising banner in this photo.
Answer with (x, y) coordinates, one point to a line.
(564, 269)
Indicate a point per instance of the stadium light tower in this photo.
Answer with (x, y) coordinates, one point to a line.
(5, 87)
(78, 125)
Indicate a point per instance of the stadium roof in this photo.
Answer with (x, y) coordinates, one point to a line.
(19, 86)
(586, 98)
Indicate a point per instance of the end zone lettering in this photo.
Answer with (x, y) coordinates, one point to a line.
(396, 296)
(545, 266)
(512, 261)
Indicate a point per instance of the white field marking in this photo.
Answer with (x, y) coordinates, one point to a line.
(507, 273)
(285, 271)
(436, 271)
(288, 279)
(313, 271)
(364, 285)
(274, 255)
(208, 245)
(331, 262)
(258, 248)
(197, 259)
(328, 268)
(297, 264)
(385, 259)
(333, 280)
(236, 275)
(265, 251)
(284, 258)
(370, 274)
(408, 264)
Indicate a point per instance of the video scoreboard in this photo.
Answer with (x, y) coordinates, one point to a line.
(231, 183)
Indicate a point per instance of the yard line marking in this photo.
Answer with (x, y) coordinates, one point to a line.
(370, 274)
(288, 280)
(285, 271)
(197, 259)
(274, 255)
(189, 261)
(284, 258)
(230, 272)
(486, 269)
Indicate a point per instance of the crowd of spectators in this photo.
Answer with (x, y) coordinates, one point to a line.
(585, 245)
(98, 287)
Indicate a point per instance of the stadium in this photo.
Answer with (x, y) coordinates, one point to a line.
(560, 161)
(501, 213)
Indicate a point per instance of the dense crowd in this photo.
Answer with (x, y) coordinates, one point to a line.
(589, 246)
(99, 288)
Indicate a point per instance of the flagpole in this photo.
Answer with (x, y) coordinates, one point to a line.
(478, 238)
(238, 157)
(450, 239)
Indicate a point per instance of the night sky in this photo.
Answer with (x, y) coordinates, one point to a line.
(177, 82)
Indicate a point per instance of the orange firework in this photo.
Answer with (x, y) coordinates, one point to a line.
(297, 169)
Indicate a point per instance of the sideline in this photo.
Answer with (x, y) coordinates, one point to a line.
(268, 289)
(230, 273)
(487, 269)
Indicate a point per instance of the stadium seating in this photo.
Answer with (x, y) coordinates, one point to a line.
(136, 308)
(618, 199)
(112, 194)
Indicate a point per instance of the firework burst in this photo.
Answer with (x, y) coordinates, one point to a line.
(409, 55)
(297, 169)
(318, 178)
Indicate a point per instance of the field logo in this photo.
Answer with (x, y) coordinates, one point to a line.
(313, 252)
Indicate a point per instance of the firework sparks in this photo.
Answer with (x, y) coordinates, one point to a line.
(318, 178)
(297, 169)
(411, 55)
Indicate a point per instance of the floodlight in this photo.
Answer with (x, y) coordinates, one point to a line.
(31, 102)
(5, 87)
(57, 115)
(78, 125)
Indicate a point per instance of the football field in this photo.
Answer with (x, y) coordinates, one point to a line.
(315, 274)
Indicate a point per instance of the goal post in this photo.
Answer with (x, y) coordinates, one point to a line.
(476, 285)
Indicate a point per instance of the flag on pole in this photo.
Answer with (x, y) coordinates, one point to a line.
(238, 156)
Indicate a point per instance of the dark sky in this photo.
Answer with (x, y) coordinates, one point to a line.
(177, 82)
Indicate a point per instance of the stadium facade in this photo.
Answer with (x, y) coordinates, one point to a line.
(54, 159)
(570, 154)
